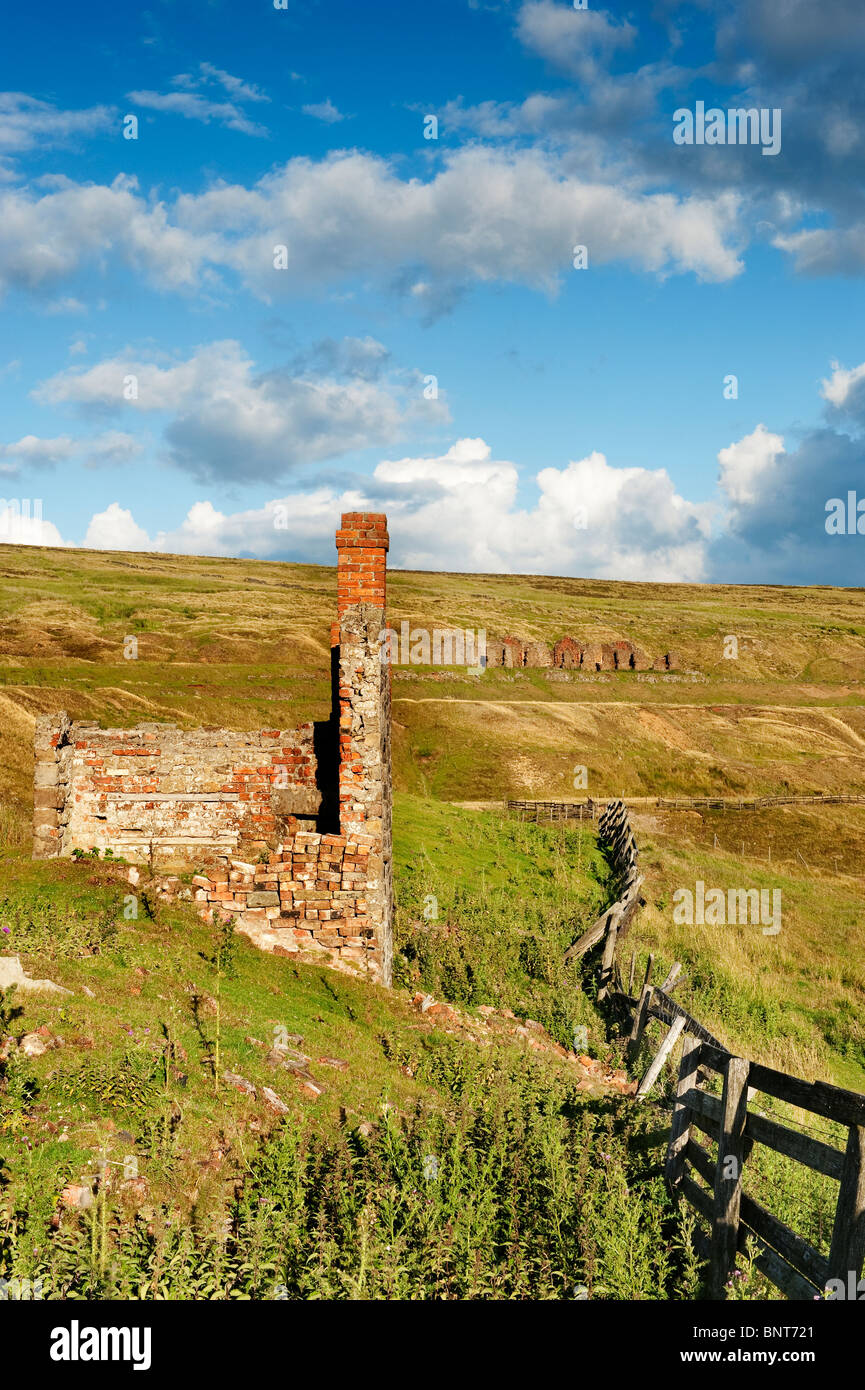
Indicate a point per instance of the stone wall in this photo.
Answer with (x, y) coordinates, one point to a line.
(312, 804)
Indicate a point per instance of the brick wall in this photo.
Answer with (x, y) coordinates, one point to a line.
(315, 801)
(169, 796)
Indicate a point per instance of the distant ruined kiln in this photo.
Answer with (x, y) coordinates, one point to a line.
(291, 828)
(571, 654)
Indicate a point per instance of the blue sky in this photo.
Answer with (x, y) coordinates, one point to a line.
(164, 385)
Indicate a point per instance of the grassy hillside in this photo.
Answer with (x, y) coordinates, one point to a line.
(543, 1184)
(246, 643)
(437, 1162)
(792, 1000)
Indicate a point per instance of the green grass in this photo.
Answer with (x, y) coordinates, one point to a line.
(795, 1000)
(487, 907)
(430, 1168)
(246, 644)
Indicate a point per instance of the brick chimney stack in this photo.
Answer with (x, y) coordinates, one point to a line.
(362, 545)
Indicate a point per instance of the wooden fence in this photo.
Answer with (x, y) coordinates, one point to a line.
(590, 809)
(713, 1184)
(745, 803)
(614, 829)
(555, 810)
(786, 1259)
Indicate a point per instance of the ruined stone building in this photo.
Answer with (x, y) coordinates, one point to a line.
(571, 654)
(289, 828)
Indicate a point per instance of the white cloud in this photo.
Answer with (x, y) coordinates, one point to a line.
(115, 529)
(108, 448)
(826, 250)
(235, 86)
(198, 108)
(487, 215)
(32, 452)
(459, 511)
(96, 220)
(26, 122)
(231, 422)
(845, 389)
(21, 523)
(68, 305)
(746, 464)
(324, 111)
(590, 518)
(189, 102)
(575, 40)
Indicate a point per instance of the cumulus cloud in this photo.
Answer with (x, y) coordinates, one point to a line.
(459, 510)
(575, 40)
(115, 529)
(777, 497)
(98, 220)
(506, 215)
(21, 523)
(231, 422)
(845, 390)
(467, 510)
(32, 452)
(747, 465)
(589, 517)
(487, 215)
(826, 250)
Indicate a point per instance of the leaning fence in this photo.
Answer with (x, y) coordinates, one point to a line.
(712, 1179)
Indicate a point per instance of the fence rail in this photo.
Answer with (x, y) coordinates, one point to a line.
(713, 1183)
(590, 809)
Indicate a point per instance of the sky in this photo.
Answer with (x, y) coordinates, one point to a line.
(263, 262)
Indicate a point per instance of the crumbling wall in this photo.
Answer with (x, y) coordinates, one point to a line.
(314, 893)
(312, 805)
(169, 796)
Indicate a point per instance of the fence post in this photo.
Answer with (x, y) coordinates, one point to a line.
(728, 1185)
(680, 1127)
(609, 953)
(848, 1235)
(641, 1015)
(663, 1053)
